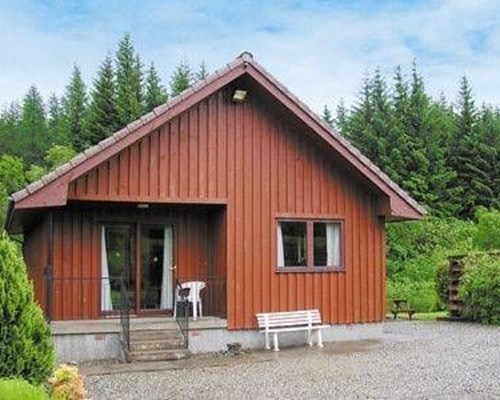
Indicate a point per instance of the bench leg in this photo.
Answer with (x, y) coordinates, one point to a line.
(268, 347)
(320, 338)
(309, 338)
(276, 347)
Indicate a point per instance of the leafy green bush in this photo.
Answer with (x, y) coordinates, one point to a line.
(421, 295)
(16, 389)
(480, 288)
(488, 232)
(442, 284)
(416, 251)
(26, 348)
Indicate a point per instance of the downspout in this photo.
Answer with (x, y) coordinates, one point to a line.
(49, 282)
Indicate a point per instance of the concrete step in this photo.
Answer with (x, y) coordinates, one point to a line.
(154, 334)
(163, 344)
(159, 355)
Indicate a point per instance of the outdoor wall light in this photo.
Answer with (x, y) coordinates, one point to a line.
(143, 206)
(239, 96)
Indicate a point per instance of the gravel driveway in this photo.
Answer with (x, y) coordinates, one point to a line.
(413, 360)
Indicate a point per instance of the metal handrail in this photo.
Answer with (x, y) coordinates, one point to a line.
(181, 305)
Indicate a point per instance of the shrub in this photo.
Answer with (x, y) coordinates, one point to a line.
(421, 295)
(16, 389)
(442, 284)
(67, 383)
(26, 349)
(488, 232)
(480, 288)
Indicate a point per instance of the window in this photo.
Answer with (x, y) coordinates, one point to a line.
(309, 245)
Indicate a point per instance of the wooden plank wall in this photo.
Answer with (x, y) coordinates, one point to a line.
(263, 163)
(76, 257)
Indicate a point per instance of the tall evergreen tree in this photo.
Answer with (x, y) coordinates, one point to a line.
(102, 118)
(55, 121)
(181, 78)
(467, 156)
(341, 118)
(155, 92)
(128, 82)
(74, 104)
(33, 140)
(327, 116)
(10, 123)
(202, 72)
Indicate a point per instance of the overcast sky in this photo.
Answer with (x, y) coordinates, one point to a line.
(321, 50)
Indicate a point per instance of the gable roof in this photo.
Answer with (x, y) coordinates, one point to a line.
(51, 190)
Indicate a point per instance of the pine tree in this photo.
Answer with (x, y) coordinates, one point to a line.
(102, 118)
(74, 105)
(181, 78)
(202, 72)
(10, 125)
(327, 116)
(128, 82)
(155, 92)
(33, 140)
(55, 121)
(341, 118)
(467, 156)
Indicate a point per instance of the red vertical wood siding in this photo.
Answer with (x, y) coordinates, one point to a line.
(262, 162)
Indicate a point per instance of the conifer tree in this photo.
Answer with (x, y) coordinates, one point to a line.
(341, 118)
(74, 105)
(202, 72)
(181, 78)
(128, 82)
(10, 123)
(155, 92)
(466, 155)
(32, 142)
(102, 118)
(327, 116)
(55, 121)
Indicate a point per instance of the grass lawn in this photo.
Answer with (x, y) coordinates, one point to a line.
(431, 316)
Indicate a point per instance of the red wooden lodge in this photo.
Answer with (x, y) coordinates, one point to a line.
(235, 183)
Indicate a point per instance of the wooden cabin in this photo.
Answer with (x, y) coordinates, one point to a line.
(235, 183)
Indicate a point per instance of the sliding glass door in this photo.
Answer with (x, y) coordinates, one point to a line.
(156, 267)
(143, 256)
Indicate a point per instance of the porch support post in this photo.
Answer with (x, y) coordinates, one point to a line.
(49, 278)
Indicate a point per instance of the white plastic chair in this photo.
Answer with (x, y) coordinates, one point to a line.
(194, 297)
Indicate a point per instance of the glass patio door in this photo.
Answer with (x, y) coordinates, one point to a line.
(156, 278)
(143, 256)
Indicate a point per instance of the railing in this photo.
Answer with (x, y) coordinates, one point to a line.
(125, 316)
(83, 298)
(181, 305)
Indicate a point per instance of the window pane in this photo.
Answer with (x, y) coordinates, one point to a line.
(292, 244)
(327, 244)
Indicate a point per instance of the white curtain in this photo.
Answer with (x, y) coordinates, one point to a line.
(106, 303)
(167, 279)
(280, 247)
(333, 244)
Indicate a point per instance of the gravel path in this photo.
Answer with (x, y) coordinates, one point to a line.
(414, 360)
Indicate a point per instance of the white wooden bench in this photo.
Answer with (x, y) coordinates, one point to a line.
(290, 321)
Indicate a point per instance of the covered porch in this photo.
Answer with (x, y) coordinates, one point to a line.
(108, 257)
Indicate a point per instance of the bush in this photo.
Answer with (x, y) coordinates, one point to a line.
(442, 284)
(480, 288)
(67, 384)
(16, 389)
(488, 232)
(416, 251)
(421, 295)
(26, 349)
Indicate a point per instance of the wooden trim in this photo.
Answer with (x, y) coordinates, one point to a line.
(310, 245)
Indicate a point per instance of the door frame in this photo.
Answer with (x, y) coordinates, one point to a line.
(136, 222)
